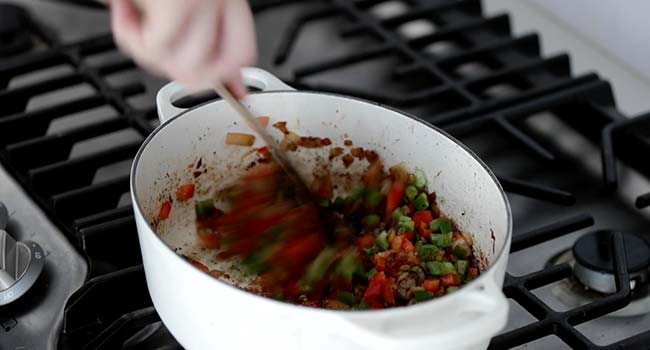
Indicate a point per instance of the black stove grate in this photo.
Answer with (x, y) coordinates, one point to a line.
(515, 83)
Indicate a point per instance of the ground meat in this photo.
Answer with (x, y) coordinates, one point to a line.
(335, 152)
(407, 279)
(371, 156)
(347, 143)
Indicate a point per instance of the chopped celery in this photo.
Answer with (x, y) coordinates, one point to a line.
(419, 180)
(346, 298)
(318, 267)
(410, 192)
(421, 296)
(441, 225)
(372, 197)
(382, 240)
(438, 268)
(451, 289)
(426, 252)
(461, 266)
(405, 223)
(442, 240)
(371, 220)
(421, 202)
(348, 265)
(396, 214)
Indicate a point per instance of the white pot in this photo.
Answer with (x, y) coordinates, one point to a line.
(205, 313)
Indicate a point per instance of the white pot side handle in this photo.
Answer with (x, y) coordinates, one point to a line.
(488, 309)
(263, 80)
(253, 77)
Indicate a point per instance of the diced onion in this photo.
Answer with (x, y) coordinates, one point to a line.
(240, 139)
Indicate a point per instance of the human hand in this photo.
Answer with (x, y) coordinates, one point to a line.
(195, 42)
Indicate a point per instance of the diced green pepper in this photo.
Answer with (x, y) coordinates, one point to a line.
(356, 195)
(348, 265)
(373, 197)
(371, 251)
(346, 298)
(318, 267)
(279, 296)
(406, 223)
(442, 240)
(204, 207)
(255, 263)
(421, 295)
(338, 203)
(396, 214)
(371, 220)
(382, 240)
(362, 306)
(325, 203)
(461, 266)
(441, 225)
(460, 252)
(426, 252)
(419, 180)
(438, 268)
(371, 273)
(410, 192)
(451, 289)
(421, 202)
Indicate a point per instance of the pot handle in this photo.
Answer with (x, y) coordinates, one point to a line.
(488, 309)
(253, 77)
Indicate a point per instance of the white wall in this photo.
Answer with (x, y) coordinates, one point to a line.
(620, 26)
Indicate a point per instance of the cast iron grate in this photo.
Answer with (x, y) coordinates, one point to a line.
(515, 83)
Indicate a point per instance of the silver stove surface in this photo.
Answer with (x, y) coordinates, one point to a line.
(66, 270)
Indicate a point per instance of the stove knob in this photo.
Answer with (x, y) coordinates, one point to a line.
(20, 263)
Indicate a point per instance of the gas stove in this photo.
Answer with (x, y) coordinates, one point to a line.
(74, 111)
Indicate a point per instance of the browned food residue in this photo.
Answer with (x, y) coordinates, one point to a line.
(335, 152)
(197, 174)
(282, 126)
(314, 142)
(347, 143)
(347, 160)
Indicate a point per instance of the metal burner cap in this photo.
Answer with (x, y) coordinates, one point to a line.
(593, 254)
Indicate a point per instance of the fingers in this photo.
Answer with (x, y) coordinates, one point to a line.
(238, 47)
(195, 42)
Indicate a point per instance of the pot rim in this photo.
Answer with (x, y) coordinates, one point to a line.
(485, 274)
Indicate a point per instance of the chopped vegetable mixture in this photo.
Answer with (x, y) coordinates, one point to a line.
(385, 244)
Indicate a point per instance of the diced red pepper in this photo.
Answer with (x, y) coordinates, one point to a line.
(426, 234)
(208, 239)
(366, 241)
(394, 198)
(379, 261)
(389, 292)
(199, 266)
(375, 288)
(185, 192)
(422, 219)
(456, 236)
(431, 285)
(165, 209)
(450, 279)
(407, 246)
(410, 235)
(472, 272)
(263, 150)
(300, 249)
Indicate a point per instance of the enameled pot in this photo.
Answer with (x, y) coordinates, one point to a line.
(203, 312)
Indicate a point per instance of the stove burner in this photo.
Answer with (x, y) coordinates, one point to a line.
(14, 30)
(594, 266)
